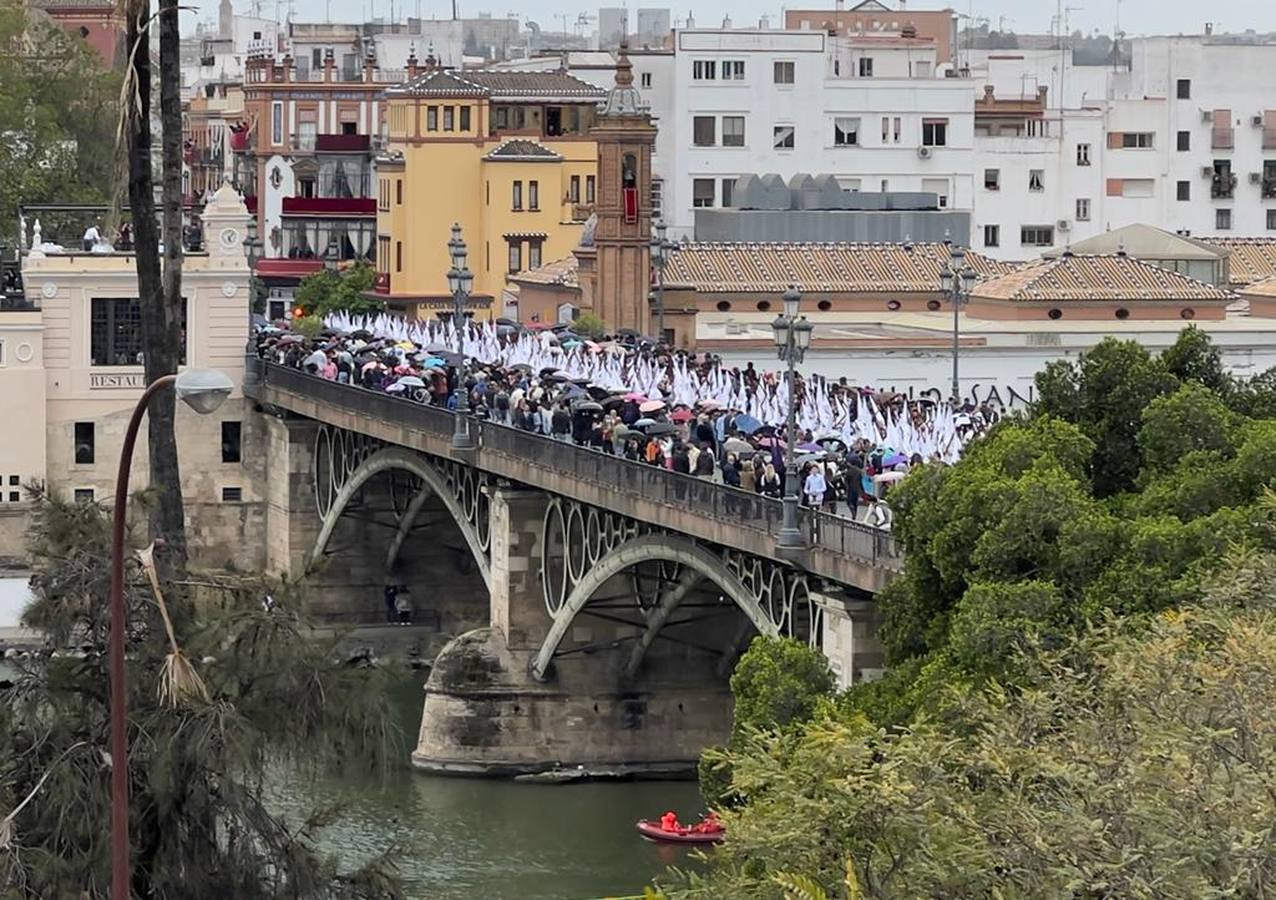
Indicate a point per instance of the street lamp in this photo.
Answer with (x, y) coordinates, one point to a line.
(660, 248)
(460, 282)
(956, 279)
(203, 390)
(792, 339)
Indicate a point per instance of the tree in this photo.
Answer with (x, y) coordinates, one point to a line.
(57, 120)
(590, 326)
(1192, 418)
(274, 696)
(1193, 357)
(328, 291)
(1136, 763)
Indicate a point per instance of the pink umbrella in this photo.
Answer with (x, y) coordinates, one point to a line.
(681, 415)
(634, 395)
(652, 406)
(770, 442)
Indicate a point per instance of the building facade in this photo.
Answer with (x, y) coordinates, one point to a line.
(99, 23)
(507, 155)
(70, 373)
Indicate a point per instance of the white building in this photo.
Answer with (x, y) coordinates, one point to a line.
(875, 110)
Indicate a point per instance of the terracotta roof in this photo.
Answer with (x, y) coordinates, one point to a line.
(1265, 287)
(73, 4)
(498, 85)
(523, 150)
(560, 271)
(1251, 258)
(1100, 277)
(830, 268)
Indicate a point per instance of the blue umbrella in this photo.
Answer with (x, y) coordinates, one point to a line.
(747, 424)
(434, 361)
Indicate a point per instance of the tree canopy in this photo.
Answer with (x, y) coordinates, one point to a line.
(328, 291)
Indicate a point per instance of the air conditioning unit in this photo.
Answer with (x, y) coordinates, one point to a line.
(1255, 177)
(923, 152)
(1207, 171)
(1063, 225)
(1207, 115)
(1256, 121)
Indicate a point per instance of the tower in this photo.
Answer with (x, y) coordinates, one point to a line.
(615, 273)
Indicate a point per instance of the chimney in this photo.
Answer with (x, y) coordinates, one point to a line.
(289, 62)
(329, 66)
(726, 22)
(691, 20)
(413, 69)
(369, 68)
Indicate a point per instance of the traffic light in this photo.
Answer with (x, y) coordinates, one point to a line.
(298, 312)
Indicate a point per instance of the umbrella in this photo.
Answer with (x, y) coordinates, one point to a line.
(652, 406)
(506, 330)
(582, 380)
(408, 381)
(809, 457)
(661, 428)
(770, 442)
(436, 347)
(808, 447)
(708, 404)
(432, 361)
(644, 423)
(554, 376)
(573, 392)
(894, 459)
(396, 388)
(825, 441)
(888, 477)
(634, 395)
(521, 367)
(735, 445)
(505, 321)
(315, 359)
(682, 415)
(588, 406)
(297, 338)
(599, 393)
(362, 334)
(612, 403)
(371, 365)
(747, 424)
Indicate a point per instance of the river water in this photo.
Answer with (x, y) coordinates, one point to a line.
(471, 838)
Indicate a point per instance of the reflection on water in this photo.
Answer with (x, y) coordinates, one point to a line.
(469, 838)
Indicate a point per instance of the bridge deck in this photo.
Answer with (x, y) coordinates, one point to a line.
(841, 550)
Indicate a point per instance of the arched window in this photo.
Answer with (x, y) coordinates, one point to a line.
(629, 186)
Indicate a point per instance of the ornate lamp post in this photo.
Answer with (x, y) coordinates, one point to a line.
(460, 281)
(792, 339)
(660, 247)
(956, 279)
(203, 391)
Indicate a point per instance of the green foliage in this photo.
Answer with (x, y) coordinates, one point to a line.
(1194, 358)
(310, 326)
(1256, 397)
(1134, 762)
(1192, 418)
(328, 291)
(590, 326)
(778, 681)
(58, 109)
(200, 828)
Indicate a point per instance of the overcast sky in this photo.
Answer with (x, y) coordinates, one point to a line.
(1137, 16)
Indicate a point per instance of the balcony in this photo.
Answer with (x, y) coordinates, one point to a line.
(330, 206)
(342, 143)
(1222, 138)
(239, 140)
(1269, 187)
(1223, 186)
(287, 268)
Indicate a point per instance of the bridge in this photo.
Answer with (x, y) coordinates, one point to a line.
(586, 589)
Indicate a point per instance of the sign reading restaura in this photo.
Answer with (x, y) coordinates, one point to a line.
(103, 381)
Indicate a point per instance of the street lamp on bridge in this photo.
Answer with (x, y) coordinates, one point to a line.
(955, 279)
(460, 281)
(792, 339)
(660, 247)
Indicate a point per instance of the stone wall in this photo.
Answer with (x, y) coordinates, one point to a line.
(850, 639)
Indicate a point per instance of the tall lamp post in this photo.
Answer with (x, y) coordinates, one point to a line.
(660, 247)
(203, 390)
(955, 280)
(792, 339)
(460, 281)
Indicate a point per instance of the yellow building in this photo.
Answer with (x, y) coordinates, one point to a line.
(506, 154)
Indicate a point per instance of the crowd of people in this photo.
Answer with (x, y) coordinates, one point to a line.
(689, 413)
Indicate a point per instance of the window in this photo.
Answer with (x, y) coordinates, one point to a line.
(783, 73)
(733, 131)
(232, 433)
(1036, 235)
(934, 132)
(782, 137)
(276, 123)
(1223, 183)
(704, 70)
(1184, 141)
(431, 118)
(992, 235)
(1223, 219)
(992, 179)
(938, 187)
(84, 495)
(1083, 209)
(398, 192)
(516, 201)
(728, 190)
(897, 129)
(657, 196)
(573, 189)
(645, 79)
(115, 335)
(533, 195)
(1138, 188)
(886, 128)
(1271, 220)
(1184, 89)
(516, 256)
(702, 131)
(589, 188)
(733, 70)
(1036, 179)
(533, 254)
(398, 256)
(1184, 190)
(1136, 140)
(845, 131)
(85, 444)
(449, 114)
(383, 193)
(465, 118)
(1083, 154)
(866, 67)
(232, 495)
(383, 256)
(702, 192)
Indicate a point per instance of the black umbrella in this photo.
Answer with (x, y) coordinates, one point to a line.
(598, 393)
(521, 367)
(613, 403)
(362, 334)
(505, 321)
(661, 428)
(588, 406)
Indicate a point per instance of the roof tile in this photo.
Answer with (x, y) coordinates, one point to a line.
(1098, 277)
(1251, 258)
(498, 85)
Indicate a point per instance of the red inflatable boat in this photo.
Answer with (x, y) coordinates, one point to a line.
(653, 832)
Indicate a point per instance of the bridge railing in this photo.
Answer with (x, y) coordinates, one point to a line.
(708, 499)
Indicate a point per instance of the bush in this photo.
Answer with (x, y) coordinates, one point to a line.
(310, 326)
